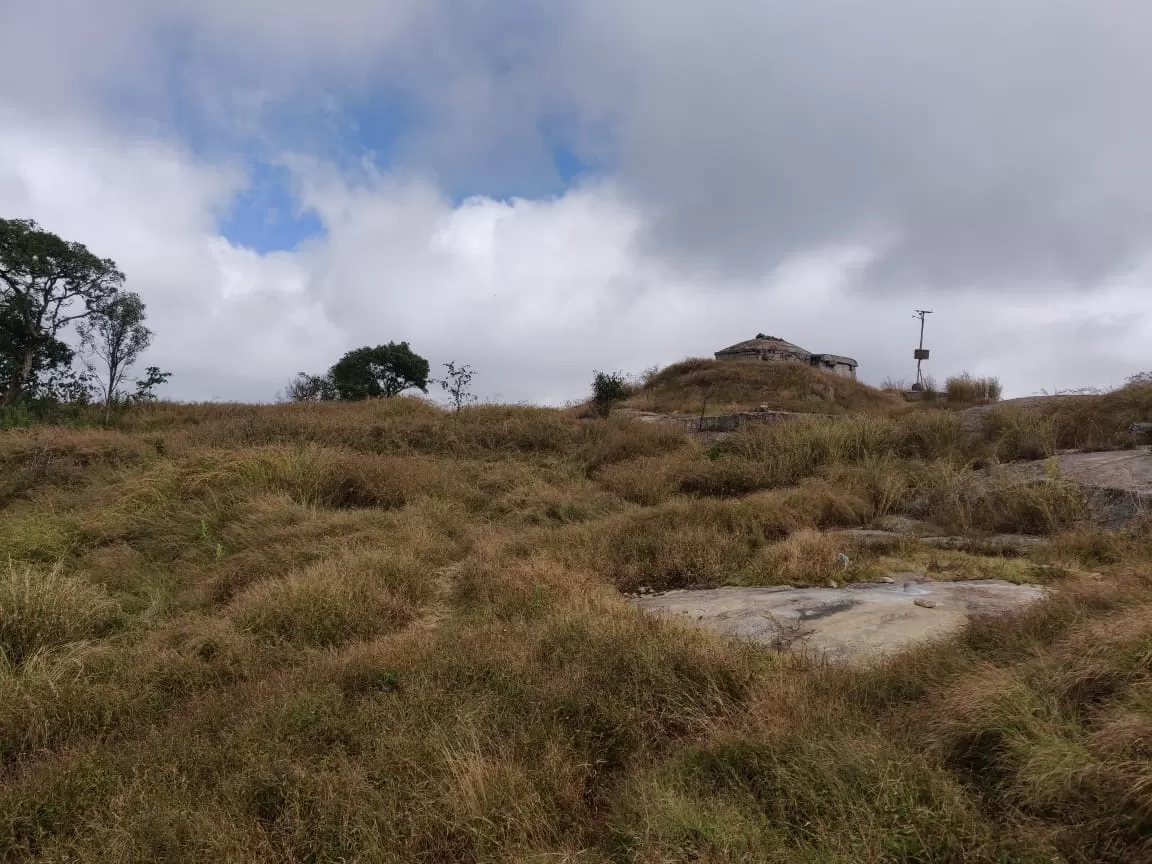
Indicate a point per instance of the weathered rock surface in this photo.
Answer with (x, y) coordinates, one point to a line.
(856, 624)
(901, 524)
(1124, 470)
(872, 538)
(1119, 482)
(720, 424)
(1001, 544)
(946, 542)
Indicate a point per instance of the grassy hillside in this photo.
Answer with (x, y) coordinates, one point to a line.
(383, 633)
(719, 387)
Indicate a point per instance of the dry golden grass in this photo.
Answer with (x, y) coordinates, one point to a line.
(1080, 421)
(717, 387)
(45, 608)
(340, 599)
(384, 633)
(966, 389)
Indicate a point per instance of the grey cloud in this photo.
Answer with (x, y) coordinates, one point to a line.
(987, 143)
(980, 143)
(992, 143)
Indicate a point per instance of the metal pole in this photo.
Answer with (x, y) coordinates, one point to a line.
(921, 314)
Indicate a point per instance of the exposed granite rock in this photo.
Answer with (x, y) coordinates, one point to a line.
(855, 624)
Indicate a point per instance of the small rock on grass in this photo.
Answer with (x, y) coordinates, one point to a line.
(886, 580)
(927, 604)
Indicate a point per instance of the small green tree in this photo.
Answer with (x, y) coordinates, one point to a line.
(112, 340)
(146, 386)
(386, 370)
(311, 388)
(456, 383)
(608, 390)
(45, 284)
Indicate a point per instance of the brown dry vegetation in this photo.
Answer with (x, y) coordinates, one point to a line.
(380, 632)
(717, 387)
(1092, 421)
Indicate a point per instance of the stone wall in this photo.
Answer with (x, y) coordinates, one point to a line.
(721, 424)
(732, 422)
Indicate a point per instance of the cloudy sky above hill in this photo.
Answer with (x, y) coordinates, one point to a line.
(543, 189)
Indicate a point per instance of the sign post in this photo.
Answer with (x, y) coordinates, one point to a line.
(921, 353)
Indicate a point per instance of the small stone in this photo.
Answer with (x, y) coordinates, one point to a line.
(886, 580)
(927, 604)
(832, 583)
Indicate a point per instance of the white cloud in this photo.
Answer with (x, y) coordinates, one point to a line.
(756, 150)
(534, 294)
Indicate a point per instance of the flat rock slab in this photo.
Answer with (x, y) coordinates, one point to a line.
(856, 624)
(1123, 470)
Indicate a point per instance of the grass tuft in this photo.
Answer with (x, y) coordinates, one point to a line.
(45, 608)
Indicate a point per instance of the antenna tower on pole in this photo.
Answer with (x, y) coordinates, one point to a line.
(921, 353)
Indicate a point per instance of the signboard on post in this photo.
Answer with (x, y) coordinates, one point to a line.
(920, 354)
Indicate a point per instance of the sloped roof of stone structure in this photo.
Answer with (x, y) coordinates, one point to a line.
(835, 358)
(765, 343)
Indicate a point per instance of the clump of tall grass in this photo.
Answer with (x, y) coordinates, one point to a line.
(962, 501)
(46, 607)
(791, 450)
(337, 600)
(1022, 435)
(967, 389)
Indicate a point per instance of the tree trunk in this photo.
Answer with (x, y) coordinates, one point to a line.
(16, 385)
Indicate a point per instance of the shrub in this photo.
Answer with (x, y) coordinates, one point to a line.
(609, 390)
(311, 388)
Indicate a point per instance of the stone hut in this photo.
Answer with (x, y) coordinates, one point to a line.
(772, 348)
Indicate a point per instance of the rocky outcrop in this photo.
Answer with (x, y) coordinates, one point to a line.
(720, 423)
(856, 624)
(1118, 482)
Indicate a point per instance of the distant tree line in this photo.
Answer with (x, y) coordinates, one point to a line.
(49, 289)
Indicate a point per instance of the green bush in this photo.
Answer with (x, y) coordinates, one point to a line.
(608, 390)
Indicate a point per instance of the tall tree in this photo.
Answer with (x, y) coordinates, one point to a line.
(45, 284)
(48, 355)
(386, 370)
(113, 338)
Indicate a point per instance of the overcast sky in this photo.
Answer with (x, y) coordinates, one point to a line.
(542, 189)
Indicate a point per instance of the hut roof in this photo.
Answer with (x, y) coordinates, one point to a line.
(764, 343)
